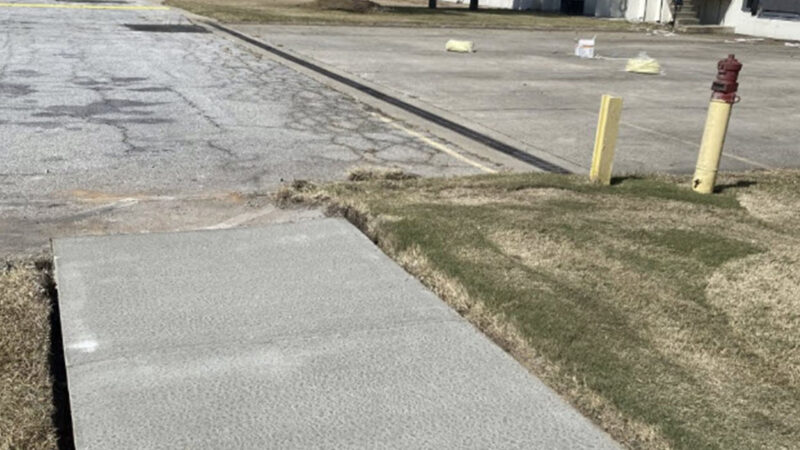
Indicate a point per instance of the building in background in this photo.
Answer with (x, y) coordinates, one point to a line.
(779, 19)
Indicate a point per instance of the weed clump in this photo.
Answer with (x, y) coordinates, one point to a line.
(354, 6)
(371, 174)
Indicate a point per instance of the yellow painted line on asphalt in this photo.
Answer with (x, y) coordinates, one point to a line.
(442, 148)
(747, 161)
(696, 144)
(79, 6)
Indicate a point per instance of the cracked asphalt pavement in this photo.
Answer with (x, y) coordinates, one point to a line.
(107, 129)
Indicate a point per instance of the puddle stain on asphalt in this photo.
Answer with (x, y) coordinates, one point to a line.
(109, 106)
(15, 90)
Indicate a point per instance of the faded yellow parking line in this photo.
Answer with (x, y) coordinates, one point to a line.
(78, 6)
(436, 145)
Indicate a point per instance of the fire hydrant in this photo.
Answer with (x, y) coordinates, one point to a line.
(719, 113)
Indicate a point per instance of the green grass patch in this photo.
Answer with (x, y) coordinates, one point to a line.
(710, 249)
(667, 316)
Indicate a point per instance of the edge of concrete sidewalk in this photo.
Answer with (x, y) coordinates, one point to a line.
(97, 355)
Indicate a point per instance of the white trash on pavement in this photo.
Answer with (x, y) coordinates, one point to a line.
(585, 48)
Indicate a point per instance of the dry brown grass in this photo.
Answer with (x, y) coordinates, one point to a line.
(671, 319)
(26, 403)
(633, 433)
(377, 173)
(406, 13)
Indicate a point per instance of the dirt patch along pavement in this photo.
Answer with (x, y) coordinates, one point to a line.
(528, 88)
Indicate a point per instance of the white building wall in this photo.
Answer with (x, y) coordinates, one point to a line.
(745, 23)
(636, 10)
(655, 11)
(716, 12)
(723, 12)
(535, 5)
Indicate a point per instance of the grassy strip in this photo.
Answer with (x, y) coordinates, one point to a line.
(669, 318)
(26, 403)
(304, 12)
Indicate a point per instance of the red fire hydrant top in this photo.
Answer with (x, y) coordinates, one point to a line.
(725, 86)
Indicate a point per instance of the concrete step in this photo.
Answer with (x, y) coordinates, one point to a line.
(684, 21)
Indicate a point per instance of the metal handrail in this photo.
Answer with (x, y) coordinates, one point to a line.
(676, 7)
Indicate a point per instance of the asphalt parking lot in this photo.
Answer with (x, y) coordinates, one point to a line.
(110, 128)
(528, 89)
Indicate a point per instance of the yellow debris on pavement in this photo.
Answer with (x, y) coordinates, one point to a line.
(643, 64)
(460, 46)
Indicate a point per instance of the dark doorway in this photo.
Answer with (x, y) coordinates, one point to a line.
(572, 7)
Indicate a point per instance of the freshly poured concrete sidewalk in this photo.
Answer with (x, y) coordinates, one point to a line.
(290, 336)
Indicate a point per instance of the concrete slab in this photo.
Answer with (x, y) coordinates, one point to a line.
(289, 336)
(528, 86)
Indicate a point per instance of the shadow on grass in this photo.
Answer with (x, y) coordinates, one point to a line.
(62, 414)
(619, 180)
(738, 185)
(645, 187)
(717, 189)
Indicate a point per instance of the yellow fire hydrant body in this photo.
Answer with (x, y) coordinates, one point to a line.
(705, 174)
(719, 113)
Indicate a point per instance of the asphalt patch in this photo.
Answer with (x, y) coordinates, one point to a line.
(109, 106)
(166, 28)
(25, 73)
(15, 90)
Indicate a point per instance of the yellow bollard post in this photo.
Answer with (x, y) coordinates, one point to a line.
(719, 113)
(705, 174)
(606, 139)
